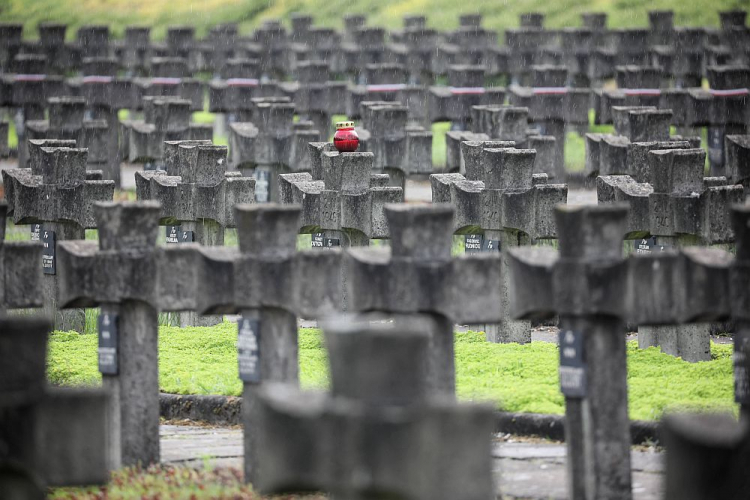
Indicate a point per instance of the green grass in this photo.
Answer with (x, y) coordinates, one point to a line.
(168, 482)
(518, 378)
(442, 14)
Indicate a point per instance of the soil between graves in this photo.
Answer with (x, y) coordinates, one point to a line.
(515, 378)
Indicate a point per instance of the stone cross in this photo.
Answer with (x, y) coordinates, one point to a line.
(67, 122)
(400, 150)
(131, 281)
(197, 198)
(553, 107)
(48, 437)
(105, 94)
(505, 123)
(11, 38)
(20, 273)
(317, 98)
(269, 146)
(416, 274)
(585, 284)
(465, 89)
(28, 89)
(383, 418)
(169, 77)
(233, 92)
(271, 285)
(737, 151)
(501, 204)
(164, 119)
(637, 86)
(342, 201)
(696, 285)
(678, 207)
(55, 193)
(93, 41)
(638, 130)
(136, 50)
(707, 456)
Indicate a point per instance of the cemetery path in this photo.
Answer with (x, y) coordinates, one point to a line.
(524, 468)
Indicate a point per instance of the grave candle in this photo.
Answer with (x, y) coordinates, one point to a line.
(345, 139)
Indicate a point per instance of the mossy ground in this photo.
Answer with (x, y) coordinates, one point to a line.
(517, 378)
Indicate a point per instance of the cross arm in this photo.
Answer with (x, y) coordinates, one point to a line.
(300, 189)
(305, 283)
(88, 277)
(21, 274)
(669, 287)
(531, 278)
(623, 188)
(196, 278)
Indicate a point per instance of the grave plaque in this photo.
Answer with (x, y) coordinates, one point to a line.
(36, 230)
(187, 237)
(741, 368)
(108, 343)
(572, 364)
(331, 242)
(473, 243)
(248, 350)
(173, 234)
(317, 240)
(491, 246)
(262, 182)
(648, 245)
(48, 252)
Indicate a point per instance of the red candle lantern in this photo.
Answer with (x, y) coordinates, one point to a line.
(345, 140)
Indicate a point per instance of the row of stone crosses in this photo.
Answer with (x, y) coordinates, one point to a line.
(555, 78)
(392, 387)
(390, 426)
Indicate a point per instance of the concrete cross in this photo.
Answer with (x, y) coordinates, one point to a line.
(400, 150)
(20, 272)
(342, 200)
(508, 123)
(67, 122)
(197, 198)
(502, 199)
(465, 89)
(164, 119)
(169, 77)
(638, 130)
(269, 146)
(48, 437)
(381, 418)
(585, 284)
(679, 207)
(416, 274)
(55, 193)
(553, 106)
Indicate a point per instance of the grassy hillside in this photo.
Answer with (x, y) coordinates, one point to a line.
(442, 14)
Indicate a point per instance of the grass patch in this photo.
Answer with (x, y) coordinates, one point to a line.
(442, 14)
(164, 481)
(518, 378)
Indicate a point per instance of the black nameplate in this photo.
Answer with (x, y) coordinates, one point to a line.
(36, 230)
(187, 237)
(317, 240)
(262, 183)
(741, 364)
(648, 245)
(491, 246)
(473, 243)
(49, 263)
(572, 364)
(248, 350)
(331, 242)
(108, 344)
(173, 234)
